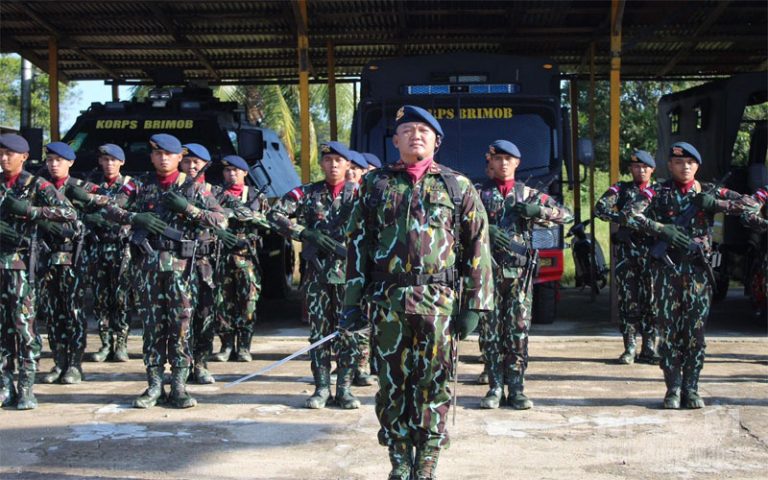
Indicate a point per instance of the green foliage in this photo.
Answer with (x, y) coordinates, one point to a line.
(10, 95)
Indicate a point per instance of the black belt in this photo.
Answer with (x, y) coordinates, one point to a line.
(207, 247)
(65, 247)
(161, 243)
(406, 279)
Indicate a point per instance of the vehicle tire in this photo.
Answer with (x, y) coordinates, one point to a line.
(544, 310)
(277, 266)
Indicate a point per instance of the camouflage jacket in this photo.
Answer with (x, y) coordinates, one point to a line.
(508, 263)
(246, 212)
(757, 218)
(145, 195)
(47, 203)
(662, 203)
(398, 227)
(313, 206)
(610, 208)
(110, 237)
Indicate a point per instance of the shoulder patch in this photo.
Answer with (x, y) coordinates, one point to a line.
(649, 193)
(615, 188)
(762, 195)
(45, 184)
(723, 191)
(128, 187)
(297, 193)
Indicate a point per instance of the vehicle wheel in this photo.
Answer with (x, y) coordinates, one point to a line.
(544, 310)
(277, 266)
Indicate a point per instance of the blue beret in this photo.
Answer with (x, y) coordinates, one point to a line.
(15, 143)
(163, 141)
(372, 160)
(113, 151)
(197, 150)
(412, 113)
(685, 149)
(235, 161)
(358, 159)
(642, 156)
(504, 146)
(336, 147)
(61, 149)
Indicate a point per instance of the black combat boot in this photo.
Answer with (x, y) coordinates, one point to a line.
(7, 388)
(484, 378)
(201, 373)
(401, 458)
(691, 398)
(648, 351)
(425, 466)
(106, 342)
(495, 395)
(244, 346)
(322, 389)
(344, 397)
(515, 385)
(27, 400)
(227, 343)
(74, 373)
(673, 379)
(154, 391)
(179, 397)
(628, 357)
(121, 347)
(59, 367)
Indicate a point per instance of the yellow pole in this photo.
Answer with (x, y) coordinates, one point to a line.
(304, 91)
(332, 91)
(574, 95)
(617, 7)
(53, 86)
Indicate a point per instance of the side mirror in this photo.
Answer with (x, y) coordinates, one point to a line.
(586, 153)
(250, 145)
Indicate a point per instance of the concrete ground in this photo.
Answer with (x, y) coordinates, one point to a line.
(592, 417)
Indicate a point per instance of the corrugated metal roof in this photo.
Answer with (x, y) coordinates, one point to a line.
(256, 40)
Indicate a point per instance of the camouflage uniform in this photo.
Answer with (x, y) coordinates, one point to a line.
(506, 345)
(62, 290)
(164, 284)
(757, 220)
(402, 258)
(109, 277)
(239, 274)
(323, 279)
(635, 286)
(683, 290)
(17, 292)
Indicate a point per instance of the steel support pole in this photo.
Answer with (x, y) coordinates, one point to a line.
(53, 86)
(303, 51)
(574, 97)
(617, 12)
(332, 91)
(26, 94)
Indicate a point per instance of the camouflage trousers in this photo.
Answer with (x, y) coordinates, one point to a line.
(61, 294)
(203, 299)
(635, 292)
(238, 293)
(506, 344)
(17, 321)
(323, 303)
(414, 358)
(166, 312)
(111, 290)
(684, 295)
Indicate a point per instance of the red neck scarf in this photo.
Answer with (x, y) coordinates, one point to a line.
(111, 181)
(167, 181)
(335, 189)
(10, 181)
(685, 187)
(201, 179)
(236, 190)
(59, 182)
(417, 170)
(642, 186)
(505, 186)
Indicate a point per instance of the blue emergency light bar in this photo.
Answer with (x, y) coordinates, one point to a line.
(477, 89)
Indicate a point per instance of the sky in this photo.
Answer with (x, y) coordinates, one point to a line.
(90, 91)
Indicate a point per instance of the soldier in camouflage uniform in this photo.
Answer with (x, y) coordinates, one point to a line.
(683, 287)
(28, 205)
(62, 289)
(757, 220)
(238, 273)
(404, 257)
(513, 208)
(108, 263)
(321, 210)
(203, 286)
(635, 286)
(166, 213)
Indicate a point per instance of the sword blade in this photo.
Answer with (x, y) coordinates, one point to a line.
(285, 360)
